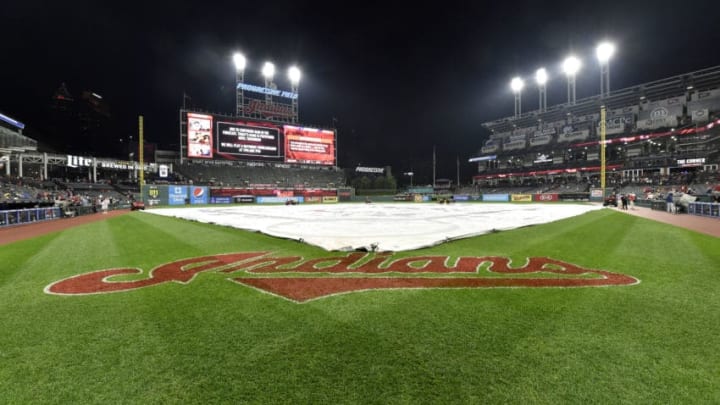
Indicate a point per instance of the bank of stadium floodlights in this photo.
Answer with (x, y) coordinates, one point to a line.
(268, 72)
(570, 66)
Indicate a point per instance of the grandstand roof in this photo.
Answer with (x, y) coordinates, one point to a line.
(13, 141)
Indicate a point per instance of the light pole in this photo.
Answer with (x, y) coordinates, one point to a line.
(571, 66)
(268, 72)
(541, 78)
(516, 85)
(294, 75)
(410, 174)
(240, 63)
(604, 52)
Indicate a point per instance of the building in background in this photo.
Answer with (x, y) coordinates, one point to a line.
(81, 125)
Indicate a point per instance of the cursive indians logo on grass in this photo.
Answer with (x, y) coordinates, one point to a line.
(300, 280)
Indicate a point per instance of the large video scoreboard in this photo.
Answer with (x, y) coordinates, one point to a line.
(216, 137)
(309, 145)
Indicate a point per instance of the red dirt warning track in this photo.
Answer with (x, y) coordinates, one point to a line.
(706, 225)
(21, 232)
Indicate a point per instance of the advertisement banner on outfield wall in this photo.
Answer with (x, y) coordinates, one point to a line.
(155, 195)
(521, 197)
(199, 195)
(329, 200)
(244, 199)
(313, 199)
(574, 196)
(345, 194)
(545, 197)
(177, 195)
(420, 190)
(278, 200)
(461, 197)
(496, 197)
(220, 200)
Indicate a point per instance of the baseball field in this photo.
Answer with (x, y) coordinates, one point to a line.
(600, 308)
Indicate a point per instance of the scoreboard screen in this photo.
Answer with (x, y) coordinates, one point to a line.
(200, 136)
(229, 138)
(309, 145)
(250, 140)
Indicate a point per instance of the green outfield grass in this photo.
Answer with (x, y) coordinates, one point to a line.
(212, 341)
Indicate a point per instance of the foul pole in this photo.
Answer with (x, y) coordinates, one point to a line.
(141, 149)
(434, 166)
(602, 149)
(458, 171)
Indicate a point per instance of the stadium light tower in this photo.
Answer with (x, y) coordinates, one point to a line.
(294, 75)
(516, 85)
(571, 66)
(541, 78)
(240, 63)
(268, 72)
(410, 174)
(604, 52)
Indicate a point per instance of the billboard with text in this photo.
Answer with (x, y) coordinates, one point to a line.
(309, 145)
(177, 195)
(230, 138)
(199, 195)
(252, 140)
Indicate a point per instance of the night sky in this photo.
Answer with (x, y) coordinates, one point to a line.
(397, 79)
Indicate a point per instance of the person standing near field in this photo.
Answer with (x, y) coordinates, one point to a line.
(669, 204)
(104, 205)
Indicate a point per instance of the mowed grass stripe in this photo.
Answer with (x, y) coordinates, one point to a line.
(14, 256)
(216, 341)
(557, 239)
(51, 257)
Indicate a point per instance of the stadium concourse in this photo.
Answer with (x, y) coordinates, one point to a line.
(379, 227)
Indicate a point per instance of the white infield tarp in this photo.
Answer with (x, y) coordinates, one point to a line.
(380, 227)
